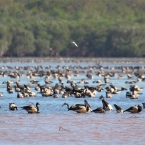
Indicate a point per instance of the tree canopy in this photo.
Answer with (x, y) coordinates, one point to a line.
(101, 28)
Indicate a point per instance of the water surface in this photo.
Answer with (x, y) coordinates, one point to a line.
(56, 125)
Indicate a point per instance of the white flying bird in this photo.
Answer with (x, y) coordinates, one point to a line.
(74, 44)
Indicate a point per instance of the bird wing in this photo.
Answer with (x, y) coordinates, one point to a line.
(110, 107)
(80, 109)
(75, 44)
(98, 109)
(131, 109)
(30, 109)
(76, 106)
(27, 107)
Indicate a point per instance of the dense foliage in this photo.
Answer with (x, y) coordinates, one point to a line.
(101, 28)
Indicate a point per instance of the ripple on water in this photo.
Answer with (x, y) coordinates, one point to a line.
(76, 128)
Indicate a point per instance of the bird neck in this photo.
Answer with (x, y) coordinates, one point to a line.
(37, 108)
(67, 107)
(139, 109)
(105, 104)
(87, 108)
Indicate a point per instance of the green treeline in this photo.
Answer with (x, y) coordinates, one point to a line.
(101, 28)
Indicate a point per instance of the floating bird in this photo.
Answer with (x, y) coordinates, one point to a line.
(106, 80)
(89, 76)
(65, 95)
(118, 109)
(48, 82)
(79, 108)
(34, 82)
(99, 110)
(129, 76)
(108, 95)
(133, 95)
(106, 105)
(134, 109)
(20, 95)
(123, 88)
(74, 44)
(116, 91)
(120, 77)
(55, 95)
(31, 108)
(12, 106)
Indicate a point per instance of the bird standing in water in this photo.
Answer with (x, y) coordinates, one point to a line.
(106, 105)
(134, 109)
(118, 109)
(31, 108)
(79, 108)
(12, 106)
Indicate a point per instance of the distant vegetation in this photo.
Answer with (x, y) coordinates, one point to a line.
(101, 28)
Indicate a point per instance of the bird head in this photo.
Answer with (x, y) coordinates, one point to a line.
(64, 104)
(37, 103)
(101, 97)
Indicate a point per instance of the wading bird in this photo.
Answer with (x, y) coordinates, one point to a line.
(31, 108)
(79, 108)
(134, 109)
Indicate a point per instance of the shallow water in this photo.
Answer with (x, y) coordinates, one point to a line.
(55, 125)
(76, 129)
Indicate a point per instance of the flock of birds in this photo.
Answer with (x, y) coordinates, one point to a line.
(83, 108)
(80, 89)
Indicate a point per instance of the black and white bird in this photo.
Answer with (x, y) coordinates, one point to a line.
(12, 106)
(106, 105)
(118, 109)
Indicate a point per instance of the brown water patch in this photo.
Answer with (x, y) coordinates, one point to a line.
(74, 129)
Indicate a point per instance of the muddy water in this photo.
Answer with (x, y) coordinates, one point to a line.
(72, 129)
(57, 126)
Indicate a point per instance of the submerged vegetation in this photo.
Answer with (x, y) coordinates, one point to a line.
(101, 28)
